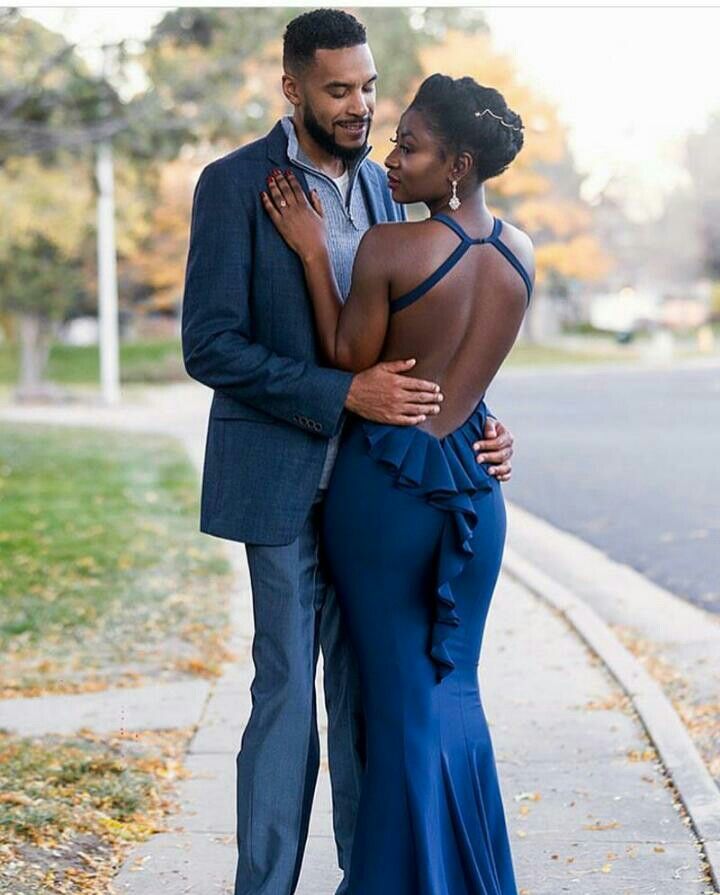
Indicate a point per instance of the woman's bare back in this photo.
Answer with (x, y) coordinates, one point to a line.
(462, 328)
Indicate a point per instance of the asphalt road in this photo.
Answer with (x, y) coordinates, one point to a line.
(628, 460)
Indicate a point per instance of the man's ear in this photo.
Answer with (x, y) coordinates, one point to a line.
(290, 88)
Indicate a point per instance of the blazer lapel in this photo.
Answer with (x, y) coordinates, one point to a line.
(277, 143)
(277, 147)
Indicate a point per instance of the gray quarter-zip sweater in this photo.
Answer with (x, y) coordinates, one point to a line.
(347, 220)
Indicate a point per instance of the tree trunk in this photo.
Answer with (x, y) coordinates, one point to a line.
(35, 335)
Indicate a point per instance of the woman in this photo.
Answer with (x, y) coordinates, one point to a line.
(414, 527)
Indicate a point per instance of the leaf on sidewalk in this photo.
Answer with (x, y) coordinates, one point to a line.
(599, 825)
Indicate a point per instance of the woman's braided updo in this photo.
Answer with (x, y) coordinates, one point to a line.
(449, 106)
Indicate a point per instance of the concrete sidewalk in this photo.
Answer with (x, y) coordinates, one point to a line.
(589, 808)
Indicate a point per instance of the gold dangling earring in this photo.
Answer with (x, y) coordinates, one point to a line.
(454, 202)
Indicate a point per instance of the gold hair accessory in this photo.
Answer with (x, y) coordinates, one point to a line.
(499, 117)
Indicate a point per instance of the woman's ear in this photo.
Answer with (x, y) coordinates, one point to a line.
(463, 166)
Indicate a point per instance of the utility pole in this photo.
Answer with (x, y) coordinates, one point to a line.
(108, 328)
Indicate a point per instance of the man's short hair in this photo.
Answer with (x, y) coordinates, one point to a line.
(320, 29)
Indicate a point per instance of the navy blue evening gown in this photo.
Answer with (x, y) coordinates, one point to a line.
(413, 532)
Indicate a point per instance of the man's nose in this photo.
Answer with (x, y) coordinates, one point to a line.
(358, 106)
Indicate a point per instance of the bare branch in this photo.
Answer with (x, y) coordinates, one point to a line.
(28, 138)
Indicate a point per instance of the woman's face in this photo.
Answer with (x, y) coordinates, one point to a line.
(418, 168)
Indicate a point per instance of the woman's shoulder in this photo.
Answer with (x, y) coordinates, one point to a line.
(384, 244)
(383, 239)
(510, 231)
(520, 243)
(394, 230)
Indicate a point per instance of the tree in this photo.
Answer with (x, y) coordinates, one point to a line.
(50, 101)
(38, 287)
(43, 241)
(212, 66)
(53, 110)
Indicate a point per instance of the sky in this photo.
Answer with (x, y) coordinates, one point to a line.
(629, 83)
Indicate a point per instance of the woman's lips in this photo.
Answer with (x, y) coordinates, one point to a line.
(393, 182)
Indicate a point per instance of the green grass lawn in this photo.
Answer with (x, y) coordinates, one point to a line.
(103, 574)
(529, 355)
(159, 361)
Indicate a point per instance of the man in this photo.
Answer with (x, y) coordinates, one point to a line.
(248, 333)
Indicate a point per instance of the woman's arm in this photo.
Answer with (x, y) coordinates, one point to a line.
(352, 334)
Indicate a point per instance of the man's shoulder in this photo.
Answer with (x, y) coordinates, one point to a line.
(249, 154)
(247, 163)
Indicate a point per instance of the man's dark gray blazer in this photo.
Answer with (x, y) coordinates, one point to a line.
(248, 332)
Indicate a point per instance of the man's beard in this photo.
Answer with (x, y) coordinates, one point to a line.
(327, 142)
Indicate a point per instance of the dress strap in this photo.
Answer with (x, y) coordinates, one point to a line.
(466, 241)
(453, 225)
(399, 303)
(516, 264)
(494, 239)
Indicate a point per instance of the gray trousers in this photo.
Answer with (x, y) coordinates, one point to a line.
(296, 614)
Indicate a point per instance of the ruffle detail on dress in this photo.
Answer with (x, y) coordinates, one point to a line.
(445, 473)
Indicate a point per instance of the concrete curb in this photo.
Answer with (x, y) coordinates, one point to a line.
(695, 785)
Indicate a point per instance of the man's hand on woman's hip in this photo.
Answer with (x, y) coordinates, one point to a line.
(496, 449)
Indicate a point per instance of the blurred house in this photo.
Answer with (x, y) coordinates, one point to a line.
(688, 305)
(80, 331)
(681, 306)
(625, 310)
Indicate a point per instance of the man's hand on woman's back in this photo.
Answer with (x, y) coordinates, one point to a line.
(382, 394)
